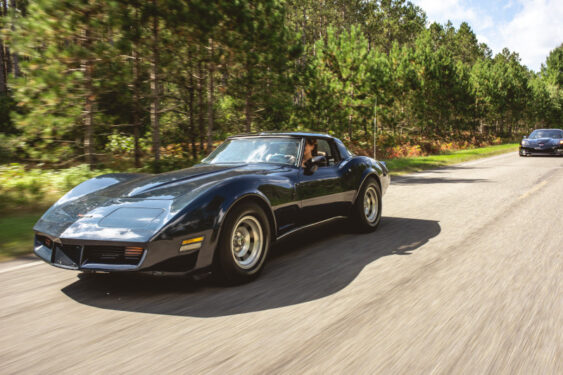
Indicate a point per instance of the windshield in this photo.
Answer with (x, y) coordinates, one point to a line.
(546, 134)
(256, 150)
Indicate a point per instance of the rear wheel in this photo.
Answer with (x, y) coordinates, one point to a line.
(243, 245)
(366, 213)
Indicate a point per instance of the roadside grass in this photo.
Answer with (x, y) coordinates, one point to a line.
(420, 163)
(16, 234)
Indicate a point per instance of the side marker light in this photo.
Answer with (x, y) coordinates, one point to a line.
(192, 244)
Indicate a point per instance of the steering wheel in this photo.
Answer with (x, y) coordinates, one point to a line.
(281, 158)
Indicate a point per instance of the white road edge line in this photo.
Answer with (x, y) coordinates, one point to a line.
(486, 159)
(21, 266)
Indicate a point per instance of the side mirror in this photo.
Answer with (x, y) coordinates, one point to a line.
(312, 164)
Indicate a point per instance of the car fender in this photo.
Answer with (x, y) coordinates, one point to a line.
(207, 212)
(371, 168)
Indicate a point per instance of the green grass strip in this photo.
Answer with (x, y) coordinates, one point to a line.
(16, 235)
(420, 163)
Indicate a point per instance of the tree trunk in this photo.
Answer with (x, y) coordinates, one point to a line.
(3, 86)
(248, 101)
(136, 106)
(16, 59)
(191, 107)
(248, 110)
(7, 58)
(200, 104)
(210, 99)
(155, 94)
(88, 114)
(350, 127)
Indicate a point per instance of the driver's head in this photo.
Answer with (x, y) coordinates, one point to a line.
(310, 149)
(310, 146)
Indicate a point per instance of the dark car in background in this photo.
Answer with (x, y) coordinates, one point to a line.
(220, 215)
(543, 142)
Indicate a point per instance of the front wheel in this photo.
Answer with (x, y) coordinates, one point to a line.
(366, 213)
(243, 245)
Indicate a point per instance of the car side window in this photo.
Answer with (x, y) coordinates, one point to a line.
(325, 149)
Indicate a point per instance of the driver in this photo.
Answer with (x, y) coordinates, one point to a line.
(310, 147)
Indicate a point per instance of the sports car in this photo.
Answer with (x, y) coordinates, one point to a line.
(542, 142)
(219, 216)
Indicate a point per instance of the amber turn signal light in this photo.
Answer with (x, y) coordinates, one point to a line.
(132, 251)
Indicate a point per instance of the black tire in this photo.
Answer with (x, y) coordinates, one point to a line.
(244, 219)
(362, 220)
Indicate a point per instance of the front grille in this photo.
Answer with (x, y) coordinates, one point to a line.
(69, 251)
(109, 255)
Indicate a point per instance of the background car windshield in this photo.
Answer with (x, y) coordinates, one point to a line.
(546, 134)
(256, 150)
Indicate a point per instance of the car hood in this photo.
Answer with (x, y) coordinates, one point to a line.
(134, 209)
(173, 184)
(545, 141)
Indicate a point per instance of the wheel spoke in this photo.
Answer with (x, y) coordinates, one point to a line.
(371, 206)
(247, 242)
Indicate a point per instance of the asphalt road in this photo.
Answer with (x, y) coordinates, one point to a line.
(464, 276)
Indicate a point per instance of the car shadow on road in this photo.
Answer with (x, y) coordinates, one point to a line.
(308, 266)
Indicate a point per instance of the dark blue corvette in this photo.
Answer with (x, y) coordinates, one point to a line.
(220, 215)
(543, 142)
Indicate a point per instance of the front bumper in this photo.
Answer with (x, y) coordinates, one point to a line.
(111, 256)
(552, 150)
(88, 255)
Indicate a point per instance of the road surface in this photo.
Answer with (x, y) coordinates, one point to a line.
(464, 276)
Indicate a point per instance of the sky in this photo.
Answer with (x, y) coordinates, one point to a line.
(532, 28)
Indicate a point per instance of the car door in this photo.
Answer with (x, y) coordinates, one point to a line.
(322, 193)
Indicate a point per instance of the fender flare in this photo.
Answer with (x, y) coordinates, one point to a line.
(256, 196)
(370, 172)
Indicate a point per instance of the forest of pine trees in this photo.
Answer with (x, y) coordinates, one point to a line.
(159, 82)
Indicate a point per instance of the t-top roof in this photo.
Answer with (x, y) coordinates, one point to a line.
(282, 134)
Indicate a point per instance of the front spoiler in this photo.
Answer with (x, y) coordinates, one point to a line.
(58, 258)
(557, 150)
(162, 256)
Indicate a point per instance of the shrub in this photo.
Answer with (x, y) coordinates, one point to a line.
(33, 188)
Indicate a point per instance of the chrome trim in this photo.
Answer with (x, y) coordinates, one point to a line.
(311, 225)
(191, 246)
(109, 267)
(371, 204)
(65, 267)
(247, 241)
(298, 161)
